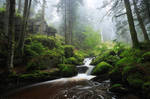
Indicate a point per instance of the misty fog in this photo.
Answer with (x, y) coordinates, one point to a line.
(90, 9)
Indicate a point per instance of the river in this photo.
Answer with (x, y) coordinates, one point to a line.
(78, 87)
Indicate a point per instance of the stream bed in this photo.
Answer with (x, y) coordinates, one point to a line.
(78, 87)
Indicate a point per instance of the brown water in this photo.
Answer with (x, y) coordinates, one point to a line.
(78, 87)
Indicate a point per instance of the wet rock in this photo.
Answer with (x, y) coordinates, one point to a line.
(118, 88)
(82, 69)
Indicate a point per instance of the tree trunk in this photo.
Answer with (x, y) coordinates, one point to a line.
(26, 12)
(141, 22)
(146, 2)
(7, 17)
(11, 35)
(133, 33)
(43, 17)
(65, 27)
(19, 6)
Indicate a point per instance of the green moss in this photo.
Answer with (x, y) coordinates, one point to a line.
(40, 74)
(116, 85)
(49, 42)
(102, 68)
(67, 70)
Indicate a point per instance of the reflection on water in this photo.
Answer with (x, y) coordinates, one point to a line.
(78, 87)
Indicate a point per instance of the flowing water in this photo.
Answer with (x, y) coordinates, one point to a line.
(78, 87)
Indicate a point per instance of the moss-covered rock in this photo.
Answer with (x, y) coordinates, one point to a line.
(102, 68)
(118, 88)
(68, 51)
(67, 70)
(146, 87)
(135, 80)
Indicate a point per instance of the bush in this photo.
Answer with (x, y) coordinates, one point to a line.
(102, 68)
(67, 70)
(34, 49)
(72, 60)
(80, 55)
(133, 55)
(49, 60)
(49, 42)
(125, 62)
(68, 51)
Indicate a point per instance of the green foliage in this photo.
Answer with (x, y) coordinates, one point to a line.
(2, 10)
(49, 42)
(42, 52)
(69, 51)
(34, 49)
(146, 57)
(119, 47)
(127, 70)
(107, 57)
(67, 70)
(125, 62)
(71, 60)
(92, 38)
(80, 55)
(50, 59)
(102, 68)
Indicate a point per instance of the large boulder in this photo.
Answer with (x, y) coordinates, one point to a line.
(102, 68)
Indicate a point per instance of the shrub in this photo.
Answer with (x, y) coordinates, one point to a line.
(72, 60)
(48, 60)
(125, 62)
(67, 70)
(68, 51)
(34, 49)
(102, 68)
(49, 42)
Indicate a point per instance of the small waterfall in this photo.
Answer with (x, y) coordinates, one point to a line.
(87, 62)
(86, 69)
